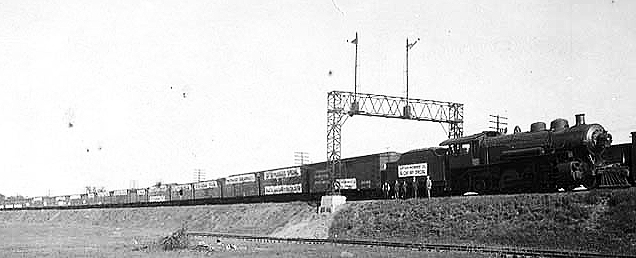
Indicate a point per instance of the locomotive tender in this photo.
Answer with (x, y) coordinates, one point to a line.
(541, 160)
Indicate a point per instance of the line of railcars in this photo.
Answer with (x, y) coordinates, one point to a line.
(540, 160)
(360, 178)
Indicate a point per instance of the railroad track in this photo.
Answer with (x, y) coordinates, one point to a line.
(515, 252)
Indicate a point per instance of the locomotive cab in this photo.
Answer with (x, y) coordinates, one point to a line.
(467, 151)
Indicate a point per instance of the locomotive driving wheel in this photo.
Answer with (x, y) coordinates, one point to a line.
(590, 181)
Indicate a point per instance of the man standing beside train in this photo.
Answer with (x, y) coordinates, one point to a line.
(386, 188)
(405, 192)
(415, 187)
(429, 185)
(396, 190)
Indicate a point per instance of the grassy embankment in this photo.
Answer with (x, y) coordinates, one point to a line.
(600, 220)
(255, 219)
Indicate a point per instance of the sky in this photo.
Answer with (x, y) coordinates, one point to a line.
(107, 93)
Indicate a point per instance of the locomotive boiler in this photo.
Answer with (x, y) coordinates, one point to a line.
(539, 160)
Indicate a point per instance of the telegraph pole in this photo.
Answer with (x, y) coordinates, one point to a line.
(407, 108)
(355, 66)
(301, 157)
(408, 46)
(498, 123)
(354, 106)
(199, 175)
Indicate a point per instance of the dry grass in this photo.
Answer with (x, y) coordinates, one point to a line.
(73, 240)
(257, 219)
(594, 221)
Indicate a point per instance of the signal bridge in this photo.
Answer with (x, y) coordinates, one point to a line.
(341, 104)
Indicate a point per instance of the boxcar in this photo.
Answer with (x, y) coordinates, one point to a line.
(290, 180)
(48, 201)
(75, 200)
(62, 200)
(159, 193)
(180, 192)
(103, 198)
(357, 176)
(243, 185)
(207, 189)
(138, 195)
(91, 199)
(120, 196)
(37, 202)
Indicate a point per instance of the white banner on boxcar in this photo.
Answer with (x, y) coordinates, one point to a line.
(205, 185)
(102, 194)
(283, 189)
(411, 170)
(346, 183)
(240, 179)
(181, 187)
(282, 173)
(37, 199)
(60, 198)
(157, 198)
(161, 188)
(120, 192)
(75, 197)
(141, 191)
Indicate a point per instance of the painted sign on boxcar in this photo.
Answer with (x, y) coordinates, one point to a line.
(283, 189)
(157, 198)
(240, 179)
(120, 192)
(282, 173)
(205, 185)
(420, 169)
(346, 183)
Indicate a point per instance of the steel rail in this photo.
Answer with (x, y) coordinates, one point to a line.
(526, 252)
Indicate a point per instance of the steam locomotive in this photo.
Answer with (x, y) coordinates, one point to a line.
(541, 160)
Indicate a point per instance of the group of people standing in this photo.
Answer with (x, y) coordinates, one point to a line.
(407, 190)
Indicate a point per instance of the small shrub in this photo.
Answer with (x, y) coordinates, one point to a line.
(176, 240)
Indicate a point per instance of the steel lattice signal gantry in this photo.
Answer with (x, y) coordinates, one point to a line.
(341, 104)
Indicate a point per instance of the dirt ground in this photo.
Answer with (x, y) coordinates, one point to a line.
(20, 239)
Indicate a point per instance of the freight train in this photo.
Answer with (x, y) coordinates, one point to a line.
(540, 160)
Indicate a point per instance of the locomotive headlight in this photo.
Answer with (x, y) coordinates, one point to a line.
(598, 139)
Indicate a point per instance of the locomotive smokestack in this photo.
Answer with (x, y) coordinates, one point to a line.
(580, 119)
